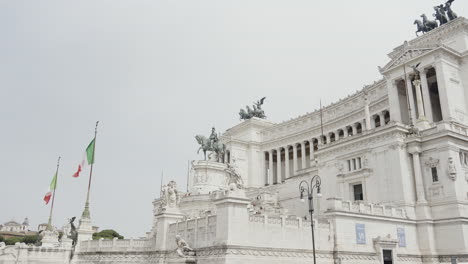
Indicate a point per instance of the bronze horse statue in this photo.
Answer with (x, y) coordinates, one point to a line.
(206, 145)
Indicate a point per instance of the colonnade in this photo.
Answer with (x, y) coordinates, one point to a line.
(284, 162)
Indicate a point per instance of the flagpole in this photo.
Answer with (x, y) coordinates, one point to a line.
(86, 213)
(49, 224)
(160, 186)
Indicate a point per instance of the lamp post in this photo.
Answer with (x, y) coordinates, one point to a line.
(304, 186)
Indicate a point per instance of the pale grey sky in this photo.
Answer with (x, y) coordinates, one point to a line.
(155, 73)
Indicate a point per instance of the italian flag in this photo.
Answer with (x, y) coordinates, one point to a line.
(52, 187)
(88, 156)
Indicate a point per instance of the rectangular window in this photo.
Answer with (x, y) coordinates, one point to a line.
(359, 163)
(387, 256)
(349, 165)
(358, 192)
(354, 164)
(435, 176)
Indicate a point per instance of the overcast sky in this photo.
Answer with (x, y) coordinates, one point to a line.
(156, 73)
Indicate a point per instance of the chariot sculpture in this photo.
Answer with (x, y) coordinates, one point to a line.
(255, 111)
(443, 14)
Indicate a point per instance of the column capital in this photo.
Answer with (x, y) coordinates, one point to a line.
(414, 148)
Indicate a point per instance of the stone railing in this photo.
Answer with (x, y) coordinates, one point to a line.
(335, 204)
(116, 245)
(281, 221)
(198, 232)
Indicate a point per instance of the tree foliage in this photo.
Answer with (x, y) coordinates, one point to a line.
(30, 239)
(107, 234)
(2, 239)
(13, 240)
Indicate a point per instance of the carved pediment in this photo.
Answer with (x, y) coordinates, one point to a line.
(408, 53)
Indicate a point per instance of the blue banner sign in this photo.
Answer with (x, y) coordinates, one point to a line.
(360, 234)
(401, 237)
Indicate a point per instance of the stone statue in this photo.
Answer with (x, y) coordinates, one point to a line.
(2, 245)
(256, 112)
(183, 249)
(170, 197)
(73, 233)
(234, 180)
(452, 169)
(448, 7)
(211, 144)
(416, 71)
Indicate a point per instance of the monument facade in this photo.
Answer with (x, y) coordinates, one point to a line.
(393, 163)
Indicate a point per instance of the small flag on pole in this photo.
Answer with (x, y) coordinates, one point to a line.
(89, 156)
(52, 187)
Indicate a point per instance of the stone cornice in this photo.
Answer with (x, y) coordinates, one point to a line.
(253, 122)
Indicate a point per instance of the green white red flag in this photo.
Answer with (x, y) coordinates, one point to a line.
(52, 187)
(89, 156)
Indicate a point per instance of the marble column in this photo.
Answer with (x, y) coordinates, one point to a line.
(354, 129)
(270, 167)
(303, 155)
(328, 138)
(394, 101)
(411, 100)
(279, 178)
(382, 118)
(442, 86)
(367, 113)
(418, 178)
(426, 96)
(294, 159)
(419, 101)
(287, 173)
(312, 153)
(345, 132)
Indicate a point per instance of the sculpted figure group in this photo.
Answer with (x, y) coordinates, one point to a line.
(443, 14)
(255, 111)
(170, 197)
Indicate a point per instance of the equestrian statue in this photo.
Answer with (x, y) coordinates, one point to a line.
(212, 144)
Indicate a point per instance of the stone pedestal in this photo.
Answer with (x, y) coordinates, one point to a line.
(85, 230)
(163, 220)
(232, 218)
(50, 239)
(66, 242)
(208, 176)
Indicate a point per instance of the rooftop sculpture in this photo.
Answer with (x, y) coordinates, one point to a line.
(257, 111)
(212, 144)
(443, 14)
(183, 249)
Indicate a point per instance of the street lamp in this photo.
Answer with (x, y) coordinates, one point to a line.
(304, 186)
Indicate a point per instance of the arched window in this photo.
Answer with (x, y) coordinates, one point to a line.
(377, 121)
(358, 128)
(387, 117)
